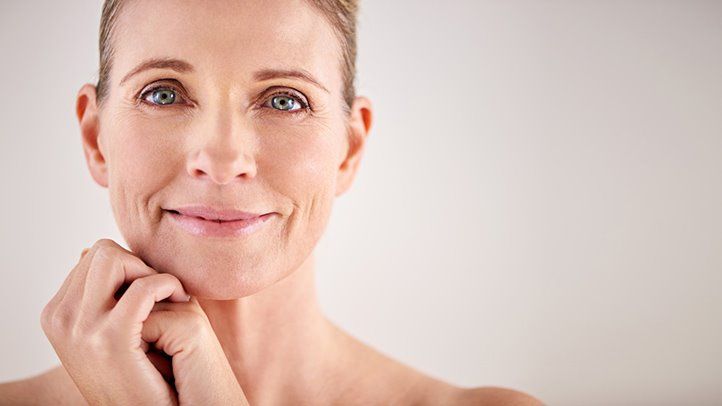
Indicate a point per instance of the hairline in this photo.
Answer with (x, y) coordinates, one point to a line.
(107, 53)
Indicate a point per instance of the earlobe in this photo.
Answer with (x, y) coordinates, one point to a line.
(86, 109)
(359, 126)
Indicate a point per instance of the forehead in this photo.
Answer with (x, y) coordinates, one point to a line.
(232, 38)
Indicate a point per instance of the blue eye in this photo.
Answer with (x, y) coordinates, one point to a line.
(286, 103)
(283, 101)
(162, 96)
(289, 102)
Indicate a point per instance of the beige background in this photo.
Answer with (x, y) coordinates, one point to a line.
(538, 207)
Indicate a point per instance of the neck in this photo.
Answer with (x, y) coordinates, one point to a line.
(277, 340)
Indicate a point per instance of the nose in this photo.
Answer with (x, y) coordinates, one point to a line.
(225, 152)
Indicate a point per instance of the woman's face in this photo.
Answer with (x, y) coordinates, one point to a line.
(210, 128)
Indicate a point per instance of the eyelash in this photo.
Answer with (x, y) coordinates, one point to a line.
(305, 107)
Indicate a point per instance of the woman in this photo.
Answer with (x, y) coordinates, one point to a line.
(223, 131)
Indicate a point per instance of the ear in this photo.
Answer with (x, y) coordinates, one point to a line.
(358, 127)
(86, 109)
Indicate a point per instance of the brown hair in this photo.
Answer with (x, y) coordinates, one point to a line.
(341, 14)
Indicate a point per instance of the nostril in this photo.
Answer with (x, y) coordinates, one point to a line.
(198, 172)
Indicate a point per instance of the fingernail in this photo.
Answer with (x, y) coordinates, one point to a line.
(85, 251)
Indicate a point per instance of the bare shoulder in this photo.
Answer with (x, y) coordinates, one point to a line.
(52, 387)
(382, 379)
(426, 390)
(430, 391)
(493, 396)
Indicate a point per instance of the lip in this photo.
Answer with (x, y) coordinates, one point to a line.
(210, 213)
(206, 221)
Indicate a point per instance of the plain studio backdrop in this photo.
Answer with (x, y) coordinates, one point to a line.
(539, 204)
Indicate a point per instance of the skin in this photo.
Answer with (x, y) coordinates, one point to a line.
(253, 331)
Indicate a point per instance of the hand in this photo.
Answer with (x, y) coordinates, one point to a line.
(200, 370)
(97, 333)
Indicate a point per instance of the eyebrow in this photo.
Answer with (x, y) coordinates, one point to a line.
(302, 74)
(182, 66)
(159, 63)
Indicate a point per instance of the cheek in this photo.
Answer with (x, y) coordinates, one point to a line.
(144, 159)
(301, 163)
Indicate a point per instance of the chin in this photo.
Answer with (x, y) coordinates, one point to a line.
(216, 275)
(224, 282)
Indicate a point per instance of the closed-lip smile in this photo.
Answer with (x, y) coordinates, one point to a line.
(207, 221)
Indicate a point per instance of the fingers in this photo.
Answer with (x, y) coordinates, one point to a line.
(175, 331)
(111, 266)
(96, 349)
(200, 365)
(60, 313)
(142, 294)
(89, 290)
(73, 290)
(60, 294)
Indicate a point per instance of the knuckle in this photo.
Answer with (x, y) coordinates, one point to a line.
(45, 316)
(106, 241)
(141, 287)
(56, 321)
(168, 278)
(103, 257)
(99, 243)
(133, 260)
(103, 251)
(103, 242)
